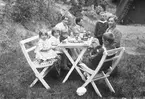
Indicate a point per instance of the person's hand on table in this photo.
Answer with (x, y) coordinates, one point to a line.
(45, 50)
(87, 45)
(64, 42)
(54, 44)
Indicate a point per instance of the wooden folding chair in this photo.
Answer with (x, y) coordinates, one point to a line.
(94, 75)
(34, 64)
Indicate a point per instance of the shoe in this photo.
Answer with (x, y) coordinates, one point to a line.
(69, 64)
(66, 68)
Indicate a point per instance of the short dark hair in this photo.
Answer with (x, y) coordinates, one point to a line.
(109, 37)
(77, 20)
(41, 33)
(114, 17)
(53, 31)
(63, 17)
(103, 6)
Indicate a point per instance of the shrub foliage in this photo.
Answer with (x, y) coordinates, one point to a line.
(23, 11)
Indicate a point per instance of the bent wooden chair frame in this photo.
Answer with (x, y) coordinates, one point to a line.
(94, 75)
(39, 74)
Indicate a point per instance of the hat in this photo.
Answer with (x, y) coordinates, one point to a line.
(49, 32)
(81, 91)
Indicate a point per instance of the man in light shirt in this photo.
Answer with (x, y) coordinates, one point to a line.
(63, 26)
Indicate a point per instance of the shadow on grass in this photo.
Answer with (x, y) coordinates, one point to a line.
(16, 76)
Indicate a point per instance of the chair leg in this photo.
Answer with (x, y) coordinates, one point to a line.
(34, 82)
(96, 89)
(43, 74)
(45, 71)
(85, 84)
(80, 73)
(44, 83)
(109, 85)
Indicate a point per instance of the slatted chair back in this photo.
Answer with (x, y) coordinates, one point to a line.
(118, 52)
(26, 51)
(33, 64)
(93, 75)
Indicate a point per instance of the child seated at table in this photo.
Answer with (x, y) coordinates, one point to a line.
(56, 40)
(94, 44)
(96, 53)
(64, 36)
(56, 36)
(44, 50)
(76, 36)
(64, 62)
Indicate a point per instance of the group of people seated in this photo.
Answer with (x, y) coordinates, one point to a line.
(106, 36)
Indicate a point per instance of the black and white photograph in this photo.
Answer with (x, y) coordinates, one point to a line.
(72, 49)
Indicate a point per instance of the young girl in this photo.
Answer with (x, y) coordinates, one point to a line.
(44, 50)
(64, 60)
(76, 37)
(64, 36)
(55, 39)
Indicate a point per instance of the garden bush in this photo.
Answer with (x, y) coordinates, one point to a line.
(32, 11)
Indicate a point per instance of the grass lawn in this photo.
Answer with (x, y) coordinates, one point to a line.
(16, 75)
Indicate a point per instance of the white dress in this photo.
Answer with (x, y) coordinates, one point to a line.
(55, 42)
(45, 45)
(62, 27)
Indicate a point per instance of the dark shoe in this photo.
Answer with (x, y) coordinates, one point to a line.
(41, 61)
(69, 64)
(66, 68)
